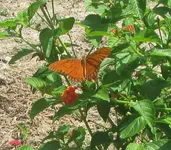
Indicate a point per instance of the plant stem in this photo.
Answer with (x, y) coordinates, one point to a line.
(72, 45)
(64, 47)
(166, 109)
(47, 18)
(43, 19)
(122, 102)
(84, 119)
(53, 11)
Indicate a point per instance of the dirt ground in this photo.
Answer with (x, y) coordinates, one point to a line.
(15, 95)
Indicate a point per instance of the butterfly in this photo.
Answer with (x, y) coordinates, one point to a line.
(81, 69)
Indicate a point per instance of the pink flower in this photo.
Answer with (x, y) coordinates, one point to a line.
(15, 142)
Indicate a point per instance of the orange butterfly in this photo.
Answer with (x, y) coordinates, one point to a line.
(81, 69)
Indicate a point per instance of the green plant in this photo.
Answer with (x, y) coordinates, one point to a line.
(134, 80)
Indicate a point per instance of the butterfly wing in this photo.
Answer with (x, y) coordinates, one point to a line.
(93, 61)
(70, 67)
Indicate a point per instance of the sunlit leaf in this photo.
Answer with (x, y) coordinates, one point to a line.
(146, 109)
(129, 129)
(39, 106)
(134, 146)
(26, 147)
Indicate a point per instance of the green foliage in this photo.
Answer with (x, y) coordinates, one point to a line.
(133, 84)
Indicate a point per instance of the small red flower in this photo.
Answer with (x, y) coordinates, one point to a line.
(69, 96)
(69, 133)
(137, 74)
(114, 31)
(15, 143)
(129, 28)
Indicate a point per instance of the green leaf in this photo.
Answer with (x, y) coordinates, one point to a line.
(4, 34)
(98, 33)
(138, 7)
(39, 106)
(102, 94)
(66, 109)
(36, 83)
(54, 79)
(78, 136)
(92, 20)
(26, 147)
(134, 146)
(166, 120)
(51, 145)
(20, 54)
(46, 39)
(59, 90)
(152, 88)
(22, 16)
(158, 145)
(161, 53)
(64, 129)
(66, 24)
(10, 22)
(97, 7)
(103, 108)
(162, 11)
(147, 35)
(100, 138)
(32, 9)
(146, 109)
(129, 129)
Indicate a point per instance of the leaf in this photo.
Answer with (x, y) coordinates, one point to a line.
(66, 24)
(129, 129)
(102, 94)
(32, 9)
(100, 138)
(20, 54)
(92, 20)
(10, 22)
(138, 7)
(46, 39)
(54, 80)
(4, 34)
(134, 146)
(64, 129)
(26, 147)
(162, 11)
(152, 88)
(78, 136)
(166, 120)
(147, 35)
(103, 108)
(64, 110)
(161, 53)
(22, 16)
(51, 145)
(162, 144)
(146, 109)
(39, 106)
(36, 82)
(99, 33)
(59, 90)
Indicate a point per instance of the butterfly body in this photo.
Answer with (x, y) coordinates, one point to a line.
(81, 69)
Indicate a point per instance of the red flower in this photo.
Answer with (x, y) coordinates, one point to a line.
(114, 31)
(129, 28)
(69, 133)
(69, 96)
(15, 142)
